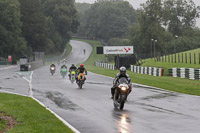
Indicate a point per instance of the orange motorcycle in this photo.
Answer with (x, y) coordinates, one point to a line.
(80, 80)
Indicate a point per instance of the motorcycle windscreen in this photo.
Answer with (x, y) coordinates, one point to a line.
(123, 80)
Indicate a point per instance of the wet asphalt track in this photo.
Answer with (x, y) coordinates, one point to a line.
(90, 110)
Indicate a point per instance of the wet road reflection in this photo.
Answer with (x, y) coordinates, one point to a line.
(123, 121)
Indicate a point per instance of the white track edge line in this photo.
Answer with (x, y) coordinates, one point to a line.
(60, 118)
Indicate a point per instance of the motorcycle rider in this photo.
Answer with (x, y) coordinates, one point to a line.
(52, 68)
(84, 51)
(119, 75)
(52, 65)
(72, 68)
(64, 61)
(64, 66)
(81, 69)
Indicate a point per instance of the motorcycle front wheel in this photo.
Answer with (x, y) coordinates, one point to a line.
(122, 101)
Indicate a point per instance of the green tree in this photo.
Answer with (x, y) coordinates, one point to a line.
(34, 28)
(179, 15)
(62, 21)
(161, 20)
(107, 19)
(82, 8)
(148, 27)
(11, 40)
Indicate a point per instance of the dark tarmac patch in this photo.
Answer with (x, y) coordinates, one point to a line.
(159, 96)
(159, 109)
(15, 76)
(37, 91)
(98, 83)
(153, 89)
(61, 101)
(7, 88)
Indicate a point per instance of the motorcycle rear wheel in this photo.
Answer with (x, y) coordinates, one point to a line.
(80, 86)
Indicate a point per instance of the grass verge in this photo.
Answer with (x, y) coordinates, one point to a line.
(68, 50)
(169, 83)
(31, 117)
(180, 63)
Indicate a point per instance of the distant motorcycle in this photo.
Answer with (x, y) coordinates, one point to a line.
(121, 93)
(52, 70)
(63, 72)
(72, 76)
(80, 80)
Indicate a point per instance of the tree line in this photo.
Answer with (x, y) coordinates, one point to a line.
(27, 26)
(157, 27)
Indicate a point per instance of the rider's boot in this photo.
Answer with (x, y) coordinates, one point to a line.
(112, 92)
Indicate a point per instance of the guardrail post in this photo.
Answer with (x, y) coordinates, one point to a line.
(131, 68)
(145, 70)
(154, 71)
(141, 70)
(159, 72)
(191, 73)
(150, 70)
(182, 71)
(174, 72)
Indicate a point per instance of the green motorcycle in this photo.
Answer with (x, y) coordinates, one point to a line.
(63, 72)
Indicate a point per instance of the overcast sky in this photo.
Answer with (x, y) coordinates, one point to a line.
(136, 4)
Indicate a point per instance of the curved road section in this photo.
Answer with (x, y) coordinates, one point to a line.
(90, 110)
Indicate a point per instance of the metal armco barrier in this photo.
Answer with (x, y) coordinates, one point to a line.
(189, 73)
(36, 64)
(105, 65)
(148, 70)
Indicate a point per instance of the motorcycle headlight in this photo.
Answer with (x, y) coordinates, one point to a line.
(52, 68)
(123, 88)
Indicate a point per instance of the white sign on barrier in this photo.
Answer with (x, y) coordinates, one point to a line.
(118, 50)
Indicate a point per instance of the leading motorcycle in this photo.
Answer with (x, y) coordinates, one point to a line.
(121, 93)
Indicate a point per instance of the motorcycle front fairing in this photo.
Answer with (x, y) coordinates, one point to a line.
(123, 87)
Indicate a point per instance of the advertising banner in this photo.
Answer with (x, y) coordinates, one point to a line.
(118, 49)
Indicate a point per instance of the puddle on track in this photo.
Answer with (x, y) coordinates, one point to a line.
(61, 101)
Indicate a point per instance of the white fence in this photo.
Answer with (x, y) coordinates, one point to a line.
(147, 70)
(190, 73)
(105, 65)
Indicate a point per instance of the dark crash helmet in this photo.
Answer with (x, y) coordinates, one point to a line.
(52, 65)
(122, 70)
(72, 64)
